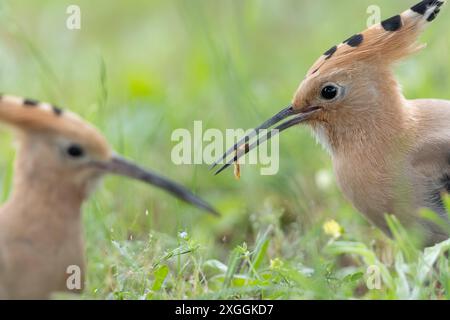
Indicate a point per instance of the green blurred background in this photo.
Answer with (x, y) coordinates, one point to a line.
(140, 69)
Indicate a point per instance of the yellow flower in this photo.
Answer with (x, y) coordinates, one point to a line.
(333, 229)
(276, 264)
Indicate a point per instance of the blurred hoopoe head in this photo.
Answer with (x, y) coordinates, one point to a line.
(351, 85)
(58, 150)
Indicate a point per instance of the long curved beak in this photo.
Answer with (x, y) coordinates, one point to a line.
(123, 167)
(243, 146)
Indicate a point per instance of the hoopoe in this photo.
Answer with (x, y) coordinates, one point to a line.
(60, 159)
(390, 155)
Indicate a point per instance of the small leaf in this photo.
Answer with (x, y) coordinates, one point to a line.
(160, 274)
(233, 265)
(262, 244)
(217, 265)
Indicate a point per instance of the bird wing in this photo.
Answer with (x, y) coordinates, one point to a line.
(430, 155)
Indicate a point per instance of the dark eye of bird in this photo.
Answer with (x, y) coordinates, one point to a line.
(75, 151)
(329, 92)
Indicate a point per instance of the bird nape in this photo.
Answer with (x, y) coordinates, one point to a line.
(390, 155)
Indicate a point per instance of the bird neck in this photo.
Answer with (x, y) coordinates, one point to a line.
(40, 182)
(41, 199)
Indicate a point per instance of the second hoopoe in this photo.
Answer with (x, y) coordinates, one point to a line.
(59, 161)
(390, 155)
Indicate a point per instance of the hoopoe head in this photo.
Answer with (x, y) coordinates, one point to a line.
(351, 79)
(354, 74)
(58, 149)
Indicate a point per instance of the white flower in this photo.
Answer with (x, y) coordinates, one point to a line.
(324, 179)
(183, 235)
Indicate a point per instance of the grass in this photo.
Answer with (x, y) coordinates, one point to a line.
(138, 71)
